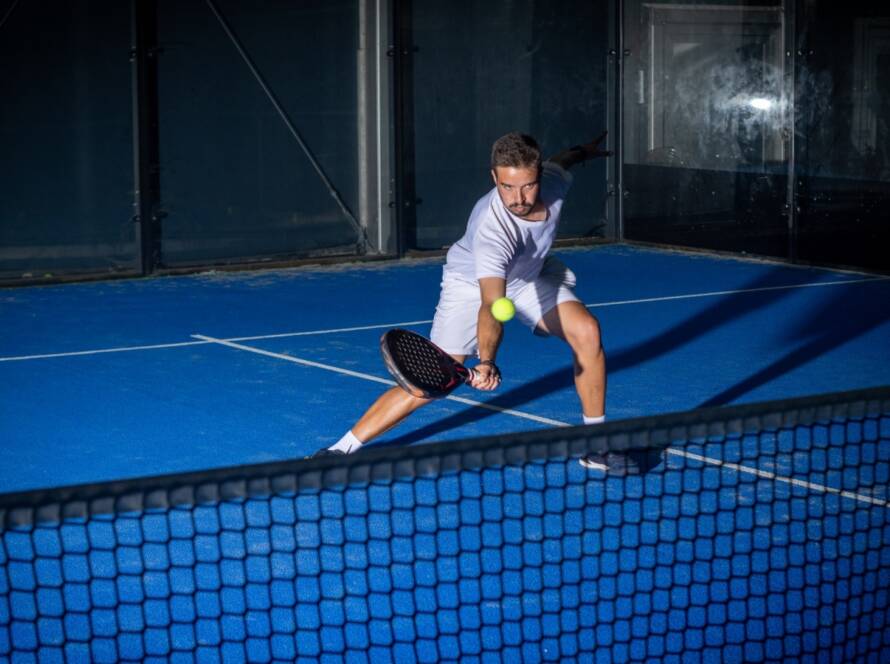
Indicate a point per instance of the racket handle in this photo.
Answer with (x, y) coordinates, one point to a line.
(473, 374)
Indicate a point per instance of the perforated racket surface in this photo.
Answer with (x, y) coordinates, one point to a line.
(419, 366)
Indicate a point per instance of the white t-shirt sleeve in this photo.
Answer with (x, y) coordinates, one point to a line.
(493, 248)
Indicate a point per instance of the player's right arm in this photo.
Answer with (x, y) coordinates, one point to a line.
(489, 332)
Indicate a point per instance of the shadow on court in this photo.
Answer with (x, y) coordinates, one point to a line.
(848, 315)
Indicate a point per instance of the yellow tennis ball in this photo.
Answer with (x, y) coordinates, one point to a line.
(502, 309)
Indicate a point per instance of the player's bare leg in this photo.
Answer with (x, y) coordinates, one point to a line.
(387, 411)
(574, 324)
(391, 407)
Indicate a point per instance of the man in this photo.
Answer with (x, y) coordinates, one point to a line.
(504, 253)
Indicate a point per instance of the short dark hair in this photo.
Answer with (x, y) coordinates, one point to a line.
(516, 150)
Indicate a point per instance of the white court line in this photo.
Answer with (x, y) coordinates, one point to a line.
(371, 377)
(123, 349)
(334, 330)
(814, 284)
(284, 335)
(557, 423)
(779, 478)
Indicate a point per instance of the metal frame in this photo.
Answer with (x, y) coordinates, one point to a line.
(615, 120)
(790, 92)
(375, 127)
(146, 168)
(405, 194)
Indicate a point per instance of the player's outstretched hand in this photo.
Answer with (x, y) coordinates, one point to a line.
(578, 154)
(593, 150)
(486, 376)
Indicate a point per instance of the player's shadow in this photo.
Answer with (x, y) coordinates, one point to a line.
(768, 289)
(848, 315)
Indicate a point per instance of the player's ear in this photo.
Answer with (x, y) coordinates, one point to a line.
(494, 176)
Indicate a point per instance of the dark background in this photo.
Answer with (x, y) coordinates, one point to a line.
(134, 139)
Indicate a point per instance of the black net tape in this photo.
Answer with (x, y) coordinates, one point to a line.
(762, 534)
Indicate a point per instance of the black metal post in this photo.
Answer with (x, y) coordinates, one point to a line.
(402, 51)
(791, 63)
(615, 70)
(146, 162)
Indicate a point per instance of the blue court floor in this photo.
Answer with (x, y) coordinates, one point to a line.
(120, 379)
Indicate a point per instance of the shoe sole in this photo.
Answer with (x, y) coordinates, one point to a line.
(590, 464)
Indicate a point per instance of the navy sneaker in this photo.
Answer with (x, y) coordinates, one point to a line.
(622, 464)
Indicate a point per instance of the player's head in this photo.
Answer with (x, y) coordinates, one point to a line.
(516, 150)
(516, 168)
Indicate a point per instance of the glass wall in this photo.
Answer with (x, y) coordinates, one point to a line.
(235, 183)
(66, 157)
(481, 69)
(842, 133)
(755, 126)
(723, 100)
(706, 149)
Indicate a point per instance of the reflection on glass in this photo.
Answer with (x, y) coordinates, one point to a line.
(715, 99)
(705, 111)
(760, 103)
(710, 82)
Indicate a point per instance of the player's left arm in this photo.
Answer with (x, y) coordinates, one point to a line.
(580, 153)
(489, 332)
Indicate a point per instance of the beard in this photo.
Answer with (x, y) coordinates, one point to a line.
(520, 210)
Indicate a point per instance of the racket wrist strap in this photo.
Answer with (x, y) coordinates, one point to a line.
(494, 367)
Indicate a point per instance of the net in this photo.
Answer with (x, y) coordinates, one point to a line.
(762, 535)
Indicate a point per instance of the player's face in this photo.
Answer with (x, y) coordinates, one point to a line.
(518, 188)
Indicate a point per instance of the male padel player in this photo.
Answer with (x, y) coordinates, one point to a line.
(504, 252)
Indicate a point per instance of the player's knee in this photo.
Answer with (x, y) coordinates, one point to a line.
(585, 336)
(411, 401)
(402, 400)
(417, 402)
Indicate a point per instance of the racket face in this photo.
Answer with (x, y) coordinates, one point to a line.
(419, 366)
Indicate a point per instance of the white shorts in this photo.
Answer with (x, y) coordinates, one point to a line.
(457, 314)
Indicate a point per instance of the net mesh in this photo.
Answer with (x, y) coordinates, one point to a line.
(762, 535)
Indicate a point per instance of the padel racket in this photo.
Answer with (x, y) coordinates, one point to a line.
(420, 367)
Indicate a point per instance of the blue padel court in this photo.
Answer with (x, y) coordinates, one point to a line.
(104, 381)
(760, 534)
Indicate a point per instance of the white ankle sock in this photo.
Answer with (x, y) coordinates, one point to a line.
(347, 444)
(594, 420)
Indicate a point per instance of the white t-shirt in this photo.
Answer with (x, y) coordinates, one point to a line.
(497, 243)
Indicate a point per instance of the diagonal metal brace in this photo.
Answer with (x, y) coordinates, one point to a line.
(8, 13)
(360, 230)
